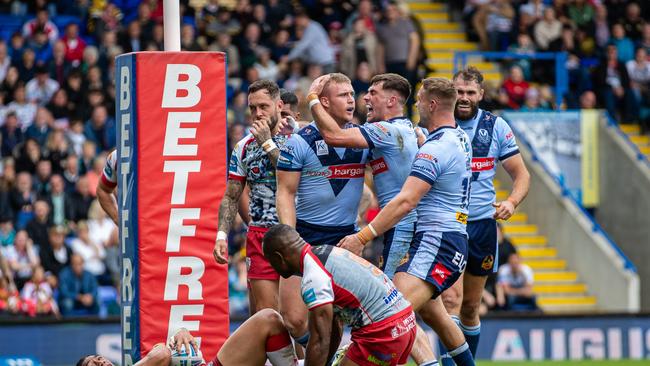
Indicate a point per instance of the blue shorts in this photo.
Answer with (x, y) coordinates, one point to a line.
(437, 257)
(483, 247)
(396, 244)
(323, 235)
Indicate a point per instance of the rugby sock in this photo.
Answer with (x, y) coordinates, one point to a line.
(429, 363)
(279, 349)
(472, 334)
(302, 340)
(462, 356)
(445, 358)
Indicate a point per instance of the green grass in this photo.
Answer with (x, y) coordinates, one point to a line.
(558, 363)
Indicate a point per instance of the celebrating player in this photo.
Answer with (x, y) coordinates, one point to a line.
(338, 284)
(492, 141)
(319, 190)
(253, 162)
(438, 186)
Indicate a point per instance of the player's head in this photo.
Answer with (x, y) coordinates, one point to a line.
(290, 107)
(94, 360)
(437, 95)
(337, 98)
(469, 84)
(386, 96)
(282, 246)
(264, 101)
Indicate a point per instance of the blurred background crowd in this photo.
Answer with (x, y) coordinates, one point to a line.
(57, 104)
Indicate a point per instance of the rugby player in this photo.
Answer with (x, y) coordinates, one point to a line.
(492, 141)
(319, 190)
(438, 186)
(253, 162)
(106, 193)
(336, 284)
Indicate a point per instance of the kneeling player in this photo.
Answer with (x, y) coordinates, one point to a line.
(336, 282)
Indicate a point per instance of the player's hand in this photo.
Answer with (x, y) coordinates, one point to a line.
(261, 130)
(318, 84)
(220, 252)
(184, 338)
(351, 243)
(505, 209)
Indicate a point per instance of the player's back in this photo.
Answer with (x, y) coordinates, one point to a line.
(444, 161)
(393, 145)
(362, 294)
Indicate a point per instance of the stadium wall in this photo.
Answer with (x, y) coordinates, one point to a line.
(625, 200)
(572, 232)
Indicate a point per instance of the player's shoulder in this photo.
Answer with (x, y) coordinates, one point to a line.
(308, 134)
(111, 159)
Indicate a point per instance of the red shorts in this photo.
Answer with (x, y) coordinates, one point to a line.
(258, 267)
(387, 343)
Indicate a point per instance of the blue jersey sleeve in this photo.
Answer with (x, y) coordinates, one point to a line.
(426, 165)
(378, 134)
(292, 155)
(506, 139)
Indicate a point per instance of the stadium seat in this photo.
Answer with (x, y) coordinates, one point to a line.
(62, 21)
(107, 299)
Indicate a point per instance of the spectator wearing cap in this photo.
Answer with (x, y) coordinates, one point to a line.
(74, 45)
(41, 88)
(313, 47)
(77, 289)
(56, 255)
(41, 23)
(12, 135)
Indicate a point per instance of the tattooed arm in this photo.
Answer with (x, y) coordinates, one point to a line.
(227, 212)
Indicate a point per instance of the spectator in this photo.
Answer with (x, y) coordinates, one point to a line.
(588, 100)
(100, 226)
(7, 232)
(80, 200)
(56, 255)
(515, 286)
(633, 22)
(601, 26)
(266, 68)
(41, 47)
(639, 72)
(280, 45)
(37, 295)
(100, 129)
(581, 13)
(74, 45)
(59, 107)
(516, 87)
(359, 46)
(22, 258)
(5, 60)
(95, 174)
(530, 13)
(41, 89)
(17, 46)
(9, 297)
(613, 84)
(21, 198)
(361, 81)
(11, 135)
(76, 136)
(532, 102)
(25, 111)
(75, 91)
(313, 46)
(492, 22)
(57, 150)
(146, 22)
(365, 13)
(71, 172)
(42, 178)
(224, 44)
(88, 153)
(37, 228)
(623, 44)
(398, 47)
(10, 83)
(223, 23)
(93, 253)
(41, 23)
(59, 201)
(41, 127)
(523, 46)
(78, 289)
(547, 30)
(188, 39)
(131, 40)
(645, 38)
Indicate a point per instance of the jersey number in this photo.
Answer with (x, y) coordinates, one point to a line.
(466, 192)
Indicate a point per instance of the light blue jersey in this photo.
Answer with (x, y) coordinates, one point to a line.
(331, 180)
(444, 161)
(393, 145)
(492, 140)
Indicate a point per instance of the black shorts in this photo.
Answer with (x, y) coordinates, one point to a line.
(323, 235)
(483, 247)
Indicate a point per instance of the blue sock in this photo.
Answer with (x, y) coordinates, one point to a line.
(302, 340)
(462, 356)
(472, 335)
(445, 358)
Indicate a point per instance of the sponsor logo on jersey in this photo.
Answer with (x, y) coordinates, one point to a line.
(321, 148)
(346, 171)
(378, 166)
(509, 135)
(483, 136)
(309, 296)
(482, 164)
(488, 262)
(426, 156)
(440, 273)
(392, 296)
(461, 217)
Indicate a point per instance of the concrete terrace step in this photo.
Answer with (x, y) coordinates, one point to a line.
(520, 229)
(645, 150)
(430, 16)
(427, 26)
(540, 264)
(537, 253)
(457, 46)
(537, 240)
(640, 140)
(554, 277)
(560, 288)
(517, 218)
(426, 6)
(444, 37)
(551, 301)
(630, 129)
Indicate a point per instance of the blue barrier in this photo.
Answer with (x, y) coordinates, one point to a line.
(560, 58)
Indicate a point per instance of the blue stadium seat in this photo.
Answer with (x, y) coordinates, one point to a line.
(107, 299)
(61, 21)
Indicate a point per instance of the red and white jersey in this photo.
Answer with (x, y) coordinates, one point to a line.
(109, 174)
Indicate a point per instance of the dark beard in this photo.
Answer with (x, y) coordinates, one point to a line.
(473, 111)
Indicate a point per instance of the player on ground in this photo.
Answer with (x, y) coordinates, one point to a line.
(438, 186)
(492, 141)
(319, 190)
(337, 284)
(253, 162)
(106, 187)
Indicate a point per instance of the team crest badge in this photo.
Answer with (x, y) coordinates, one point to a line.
(488, 262)
(483, 136)
(404, 260)
(321, 148)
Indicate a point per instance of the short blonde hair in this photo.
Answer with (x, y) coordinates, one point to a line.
(441, 89)
(336, 78)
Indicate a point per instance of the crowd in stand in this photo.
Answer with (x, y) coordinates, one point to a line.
(607, 41)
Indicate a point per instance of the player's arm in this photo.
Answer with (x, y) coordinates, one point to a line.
(227, 212)
(261, 130)
(286, 196)
(107, 200)
(516, 168)
(332, 133)
(244, 202)
(320, 330)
